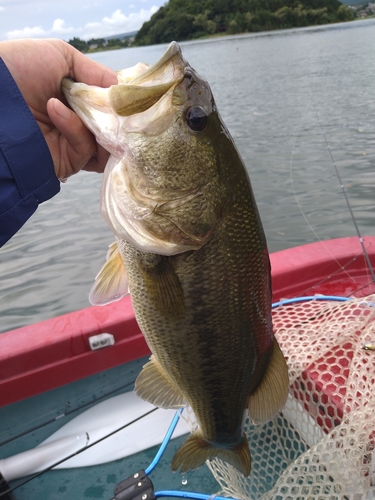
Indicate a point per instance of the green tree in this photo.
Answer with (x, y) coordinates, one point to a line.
(100, 42)
(345, 14)
(200, 20)
(79, 44)
(187, 19)
(233, 27)
(211, 27)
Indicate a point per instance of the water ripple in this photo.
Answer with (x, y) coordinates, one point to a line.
(264, 87)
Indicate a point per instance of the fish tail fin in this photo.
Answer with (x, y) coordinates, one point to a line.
(194, 451)
(271, 394)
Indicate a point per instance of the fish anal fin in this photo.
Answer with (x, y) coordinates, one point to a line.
(271, 394)
(111, 282)
(154, 386)
(194, 451)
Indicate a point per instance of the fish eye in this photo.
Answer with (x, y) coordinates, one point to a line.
(196, 118)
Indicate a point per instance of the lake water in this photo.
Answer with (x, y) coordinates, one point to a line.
(269, 89)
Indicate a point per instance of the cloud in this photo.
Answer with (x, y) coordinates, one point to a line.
(58, 29)
(117, 23)
(27, 32)
(114, 24)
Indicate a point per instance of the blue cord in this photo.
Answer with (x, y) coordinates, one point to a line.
(165, 442)
(151, 467)
(189, 494)
(306, 299)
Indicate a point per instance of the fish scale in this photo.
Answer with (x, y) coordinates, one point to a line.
(215, 336)
(191, 245)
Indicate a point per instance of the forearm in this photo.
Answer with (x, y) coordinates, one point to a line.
(27, 176)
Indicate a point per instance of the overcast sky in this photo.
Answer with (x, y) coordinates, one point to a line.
(66, 19)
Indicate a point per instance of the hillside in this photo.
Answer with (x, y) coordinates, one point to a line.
(188, 19)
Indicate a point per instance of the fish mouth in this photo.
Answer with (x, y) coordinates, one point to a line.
(145, 90)
(165, 69)
(138, 89)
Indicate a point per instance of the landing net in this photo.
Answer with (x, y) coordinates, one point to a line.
(322, 445)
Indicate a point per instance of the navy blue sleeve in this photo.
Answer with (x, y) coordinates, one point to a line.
(27, 175)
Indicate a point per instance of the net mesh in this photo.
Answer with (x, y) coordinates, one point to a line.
(322, 445)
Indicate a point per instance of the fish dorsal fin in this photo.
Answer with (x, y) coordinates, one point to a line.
(154, 386)
(111, 282)
(194, 451)
(270, 396)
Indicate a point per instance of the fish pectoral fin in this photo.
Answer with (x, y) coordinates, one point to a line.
(111, 283)
(164, 287)
(194, 451)
(154, 386)
(270, 396)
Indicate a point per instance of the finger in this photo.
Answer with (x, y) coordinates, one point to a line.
(75, 145)
(98, 161)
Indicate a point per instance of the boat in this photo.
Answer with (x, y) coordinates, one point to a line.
(54, 370)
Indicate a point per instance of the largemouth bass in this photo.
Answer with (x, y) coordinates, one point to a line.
(190, 248)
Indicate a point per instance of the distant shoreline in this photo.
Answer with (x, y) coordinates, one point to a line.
(247, 33)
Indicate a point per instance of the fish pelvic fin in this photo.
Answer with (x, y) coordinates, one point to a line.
(154, 386)
(194, 451)
(271, 394)
(111, 283)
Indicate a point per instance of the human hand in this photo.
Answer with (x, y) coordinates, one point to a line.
(38, 66)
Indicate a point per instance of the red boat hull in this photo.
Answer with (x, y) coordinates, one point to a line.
(40, 357)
